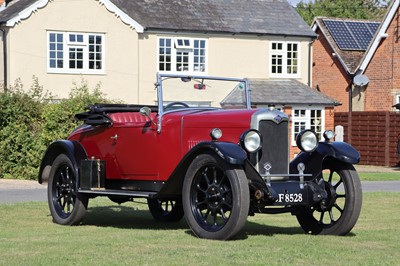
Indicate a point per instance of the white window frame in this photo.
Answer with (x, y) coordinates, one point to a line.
(82, 46)
(184, 49)
(307, 120)
(397, 100)
(284, 56)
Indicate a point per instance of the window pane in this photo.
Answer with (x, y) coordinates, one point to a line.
(164, 54)
(182, 61)
(95, 52)
(292, 55)
(199, 58)
(276, 64)
(55, 49)
(76, 58)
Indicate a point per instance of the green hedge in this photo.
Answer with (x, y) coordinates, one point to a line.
(31, 119)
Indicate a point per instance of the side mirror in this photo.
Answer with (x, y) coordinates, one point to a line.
(145, 111)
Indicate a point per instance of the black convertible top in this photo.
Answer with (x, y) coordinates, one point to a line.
(98, 112)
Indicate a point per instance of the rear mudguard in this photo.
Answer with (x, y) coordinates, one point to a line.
(230, 152)
(72, 149)
(326, 151)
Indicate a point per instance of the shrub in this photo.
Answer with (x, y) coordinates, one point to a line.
(59, 117)
(20, 130)
(31, 120)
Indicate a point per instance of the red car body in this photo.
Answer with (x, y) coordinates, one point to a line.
(133, 150)
(215, 166)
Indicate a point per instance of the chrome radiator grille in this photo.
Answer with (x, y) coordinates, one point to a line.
(275, 149)
(274, 128)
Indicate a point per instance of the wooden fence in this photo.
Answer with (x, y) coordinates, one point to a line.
(373, 134)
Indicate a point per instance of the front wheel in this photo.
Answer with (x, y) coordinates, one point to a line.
(66, 205)
(215, 197)
(339, 213)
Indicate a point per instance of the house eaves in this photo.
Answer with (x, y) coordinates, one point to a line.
(259, 17)
(379, 35)
(23, 9)
(20, 10)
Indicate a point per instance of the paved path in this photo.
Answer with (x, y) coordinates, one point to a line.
(12, 191)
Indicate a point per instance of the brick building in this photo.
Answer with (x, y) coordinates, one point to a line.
(348, 49)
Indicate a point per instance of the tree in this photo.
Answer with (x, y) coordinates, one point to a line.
(357, 9)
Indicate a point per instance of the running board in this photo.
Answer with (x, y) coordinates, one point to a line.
(111, 192)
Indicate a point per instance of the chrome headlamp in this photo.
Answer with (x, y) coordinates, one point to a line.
(251, 140)
(328, 135)
(216, 134)
(307, 140)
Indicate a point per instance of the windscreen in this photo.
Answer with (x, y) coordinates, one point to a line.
(202, 92)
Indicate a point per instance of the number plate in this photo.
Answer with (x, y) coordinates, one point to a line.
(290, 198)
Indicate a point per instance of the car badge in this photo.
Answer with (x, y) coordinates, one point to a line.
(267, 167)
(278, 119)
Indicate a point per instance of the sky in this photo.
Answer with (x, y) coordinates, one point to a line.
(295, 2)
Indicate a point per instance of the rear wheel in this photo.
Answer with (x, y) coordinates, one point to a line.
(66, 205)
(339, 213)
(215, 197)
(166, 210)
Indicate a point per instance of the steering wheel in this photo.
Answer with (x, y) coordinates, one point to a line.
(174, 105)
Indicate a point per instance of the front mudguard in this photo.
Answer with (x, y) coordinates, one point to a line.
(314, 161)
(73, 149)
(230, 152)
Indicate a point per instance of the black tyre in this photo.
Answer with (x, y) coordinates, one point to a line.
(340, 212)
(215, 198)
(66, 205)
(166, 210)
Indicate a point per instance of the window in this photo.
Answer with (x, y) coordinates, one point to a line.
(182, 55)
(284, 59)
(70, 52)
(307, 118)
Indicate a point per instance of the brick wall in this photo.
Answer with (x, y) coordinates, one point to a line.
(328, 75)
(383, 72)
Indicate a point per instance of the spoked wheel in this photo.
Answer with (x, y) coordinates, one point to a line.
(66, 205)
(215, 198)
(166, 210)
(339, 213)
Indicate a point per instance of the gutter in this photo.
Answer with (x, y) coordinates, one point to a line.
(5, 70)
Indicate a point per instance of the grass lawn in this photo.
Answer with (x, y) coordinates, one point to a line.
(127, 234)
(385, 176)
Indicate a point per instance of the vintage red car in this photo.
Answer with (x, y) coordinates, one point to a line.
(213, 165)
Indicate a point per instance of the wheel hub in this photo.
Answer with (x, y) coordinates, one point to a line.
(328, 203)
(214, 196)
